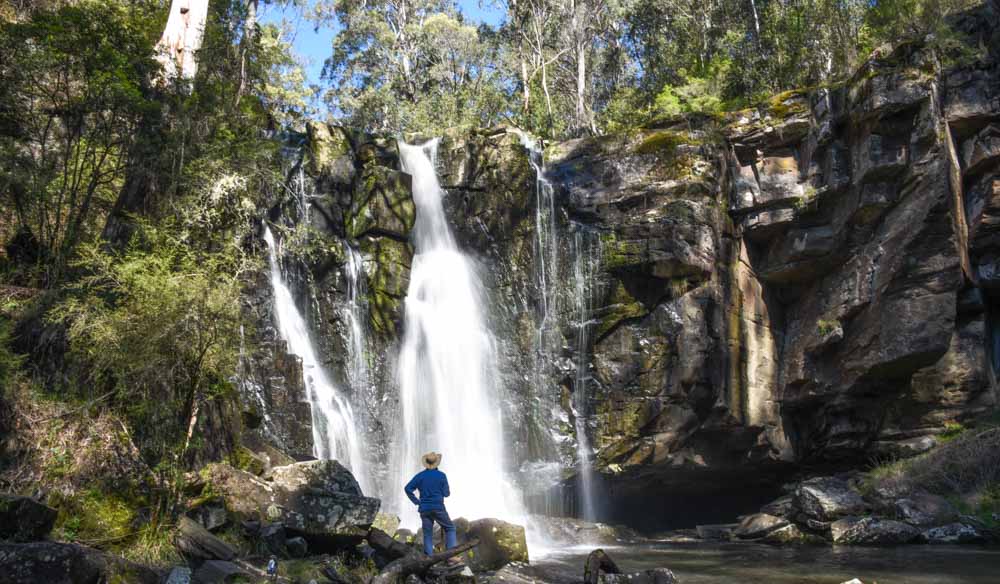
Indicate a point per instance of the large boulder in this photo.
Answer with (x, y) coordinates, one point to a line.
(500, 543)
(24, 519)
(320, 500)
(872, 531)
(67, 563)
(828, 498)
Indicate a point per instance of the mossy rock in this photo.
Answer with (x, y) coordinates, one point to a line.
(93, 515)
(621, 306)
(388, 281)
(381, 203)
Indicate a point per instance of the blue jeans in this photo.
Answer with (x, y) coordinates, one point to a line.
(427, 519)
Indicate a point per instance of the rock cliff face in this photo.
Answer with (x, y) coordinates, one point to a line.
(809, 283)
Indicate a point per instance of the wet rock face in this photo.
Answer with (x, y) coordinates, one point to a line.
(812, 281)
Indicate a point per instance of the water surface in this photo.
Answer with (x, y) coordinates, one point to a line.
(741, 563)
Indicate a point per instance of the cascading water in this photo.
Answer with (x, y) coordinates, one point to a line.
(447, 371)
(586, 265)
(356, 315)
(333, 427)
(584, 250)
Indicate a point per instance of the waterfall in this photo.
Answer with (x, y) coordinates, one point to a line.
(586, 264)
(356, 315)
(447, 373)
(585, 257)
(333, 427)
(546, 251)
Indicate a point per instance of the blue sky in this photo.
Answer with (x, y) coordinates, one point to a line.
(313, 46)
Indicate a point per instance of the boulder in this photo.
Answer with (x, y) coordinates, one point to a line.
(783, 506)
(179, 575)
(657, 576)
(828, 498)
(219, 572)
(386, 522)
(319, 500)
(790, 534)
(872, 531)
(500, 543)
(24, 519)
(923, 509)
(273, 536)
(952, 533)
(297, 547)
(211, 515)
(67, 563)
(758, 525)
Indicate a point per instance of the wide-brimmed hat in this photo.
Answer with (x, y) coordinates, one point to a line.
(431, 459)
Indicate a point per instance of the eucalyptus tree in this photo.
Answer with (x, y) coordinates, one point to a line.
(400, 65)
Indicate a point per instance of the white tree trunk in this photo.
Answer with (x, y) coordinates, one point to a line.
(182, 38)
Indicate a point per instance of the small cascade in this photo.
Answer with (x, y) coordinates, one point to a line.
(335, 434)
(356, 316)
(586, 283)
(546, 245)
(447, 371)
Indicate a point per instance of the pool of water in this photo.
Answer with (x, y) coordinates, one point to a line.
(739, 563)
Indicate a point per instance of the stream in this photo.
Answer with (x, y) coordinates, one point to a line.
(739, 563)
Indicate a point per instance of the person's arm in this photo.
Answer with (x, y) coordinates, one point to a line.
(446, 491)
(409, 488)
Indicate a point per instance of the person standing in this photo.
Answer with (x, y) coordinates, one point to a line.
(432, 485)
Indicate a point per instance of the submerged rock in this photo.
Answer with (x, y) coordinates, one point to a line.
(23, 519)
(872, 531)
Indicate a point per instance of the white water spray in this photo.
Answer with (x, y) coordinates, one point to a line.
(586, 262)
(333, 428)
(447, 369)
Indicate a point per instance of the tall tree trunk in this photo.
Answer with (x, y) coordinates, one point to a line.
(182, 38)
(526, 83)
(581, 86)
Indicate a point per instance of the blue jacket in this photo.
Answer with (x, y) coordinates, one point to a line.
(433, 487)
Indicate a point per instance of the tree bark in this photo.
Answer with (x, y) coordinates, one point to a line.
(398, 570)
(182, 38)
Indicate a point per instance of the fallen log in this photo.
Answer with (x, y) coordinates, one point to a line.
(598, 561)
(387, 547)
(419, 564)
(193, 540)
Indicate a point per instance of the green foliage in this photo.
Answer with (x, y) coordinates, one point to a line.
(826, 327)
(72, 84)
(416, 67)
(93, 517)
(158, 325)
